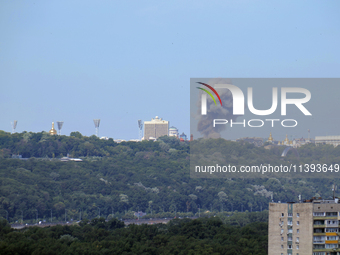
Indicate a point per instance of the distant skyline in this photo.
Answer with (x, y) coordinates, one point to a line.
(75, 61)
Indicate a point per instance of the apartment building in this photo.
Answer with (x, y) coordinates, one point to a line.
(310, 227)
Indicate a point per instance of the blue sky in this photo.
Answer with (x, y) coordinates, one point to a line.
(121, 61)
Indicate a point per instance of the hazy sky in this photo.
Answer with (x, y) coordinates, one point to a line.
(121, 61)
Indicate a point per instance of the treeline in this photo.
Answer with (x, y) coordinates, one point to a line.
(41, 145)
(201, 236)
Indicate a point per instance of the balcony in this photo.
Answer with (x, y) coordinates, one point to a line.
(319, 226)
(332, 225)
(318, 241)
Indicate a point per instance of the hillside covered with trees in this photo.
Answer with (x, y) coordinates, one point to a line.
(116, 180)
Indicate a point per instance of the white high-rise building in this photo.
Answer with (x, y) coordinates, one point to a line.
(155, 128)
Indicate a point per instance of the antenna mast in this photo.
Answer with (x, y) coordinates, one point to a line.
(96, 125)
(140, 127)
(60, 125)
(14, 125)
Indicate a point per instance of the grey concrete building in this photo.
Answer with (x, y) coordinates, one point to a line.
(307, 228)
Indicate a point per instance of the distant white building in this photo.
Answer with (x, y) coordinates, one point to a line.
(333, 140)
(173, 131)
(155, 128)
(119, 140)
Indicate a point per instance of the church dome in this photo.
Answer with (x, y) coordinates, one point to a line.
(53, 131)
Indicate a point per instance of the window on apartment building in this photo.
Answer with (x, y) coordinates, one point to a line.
(298, 231)
(290, 238)
(281, 231)
(331, 246)
(290, 215)
(319, 213)
(290, 230)
(319, 222)
(298, 223)
(332, 238)
(331, 213)
(281, 246)
(320, 239)
(282, 214)
(331, 230)
(319, 246)
(297, 247)
(282, 239)
(290, 223)
(297, 239)
(298, 215)
(290, 246)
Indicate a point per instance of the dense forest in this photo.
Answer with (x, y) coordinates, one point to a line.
(201, 236)
(119, 179)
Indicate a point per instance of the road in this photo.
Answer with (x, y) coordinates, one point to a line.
(127, 222)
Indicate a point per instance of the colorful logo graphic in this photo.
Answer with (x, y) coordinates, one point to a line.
(209, 93)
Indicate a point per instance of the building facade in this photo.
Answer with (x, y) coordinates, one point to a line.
(155, 128)
(333, 140)
(307, 228)
(173, 131)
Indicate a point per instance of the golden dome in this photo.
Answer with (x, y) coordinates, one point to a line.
(270, 139)
(53, 131)
(286, 140)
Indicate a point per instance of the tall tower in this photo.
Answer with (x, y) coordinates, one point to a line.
(140, 127)
(96, 125)
(14, 125)
(60, 125)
